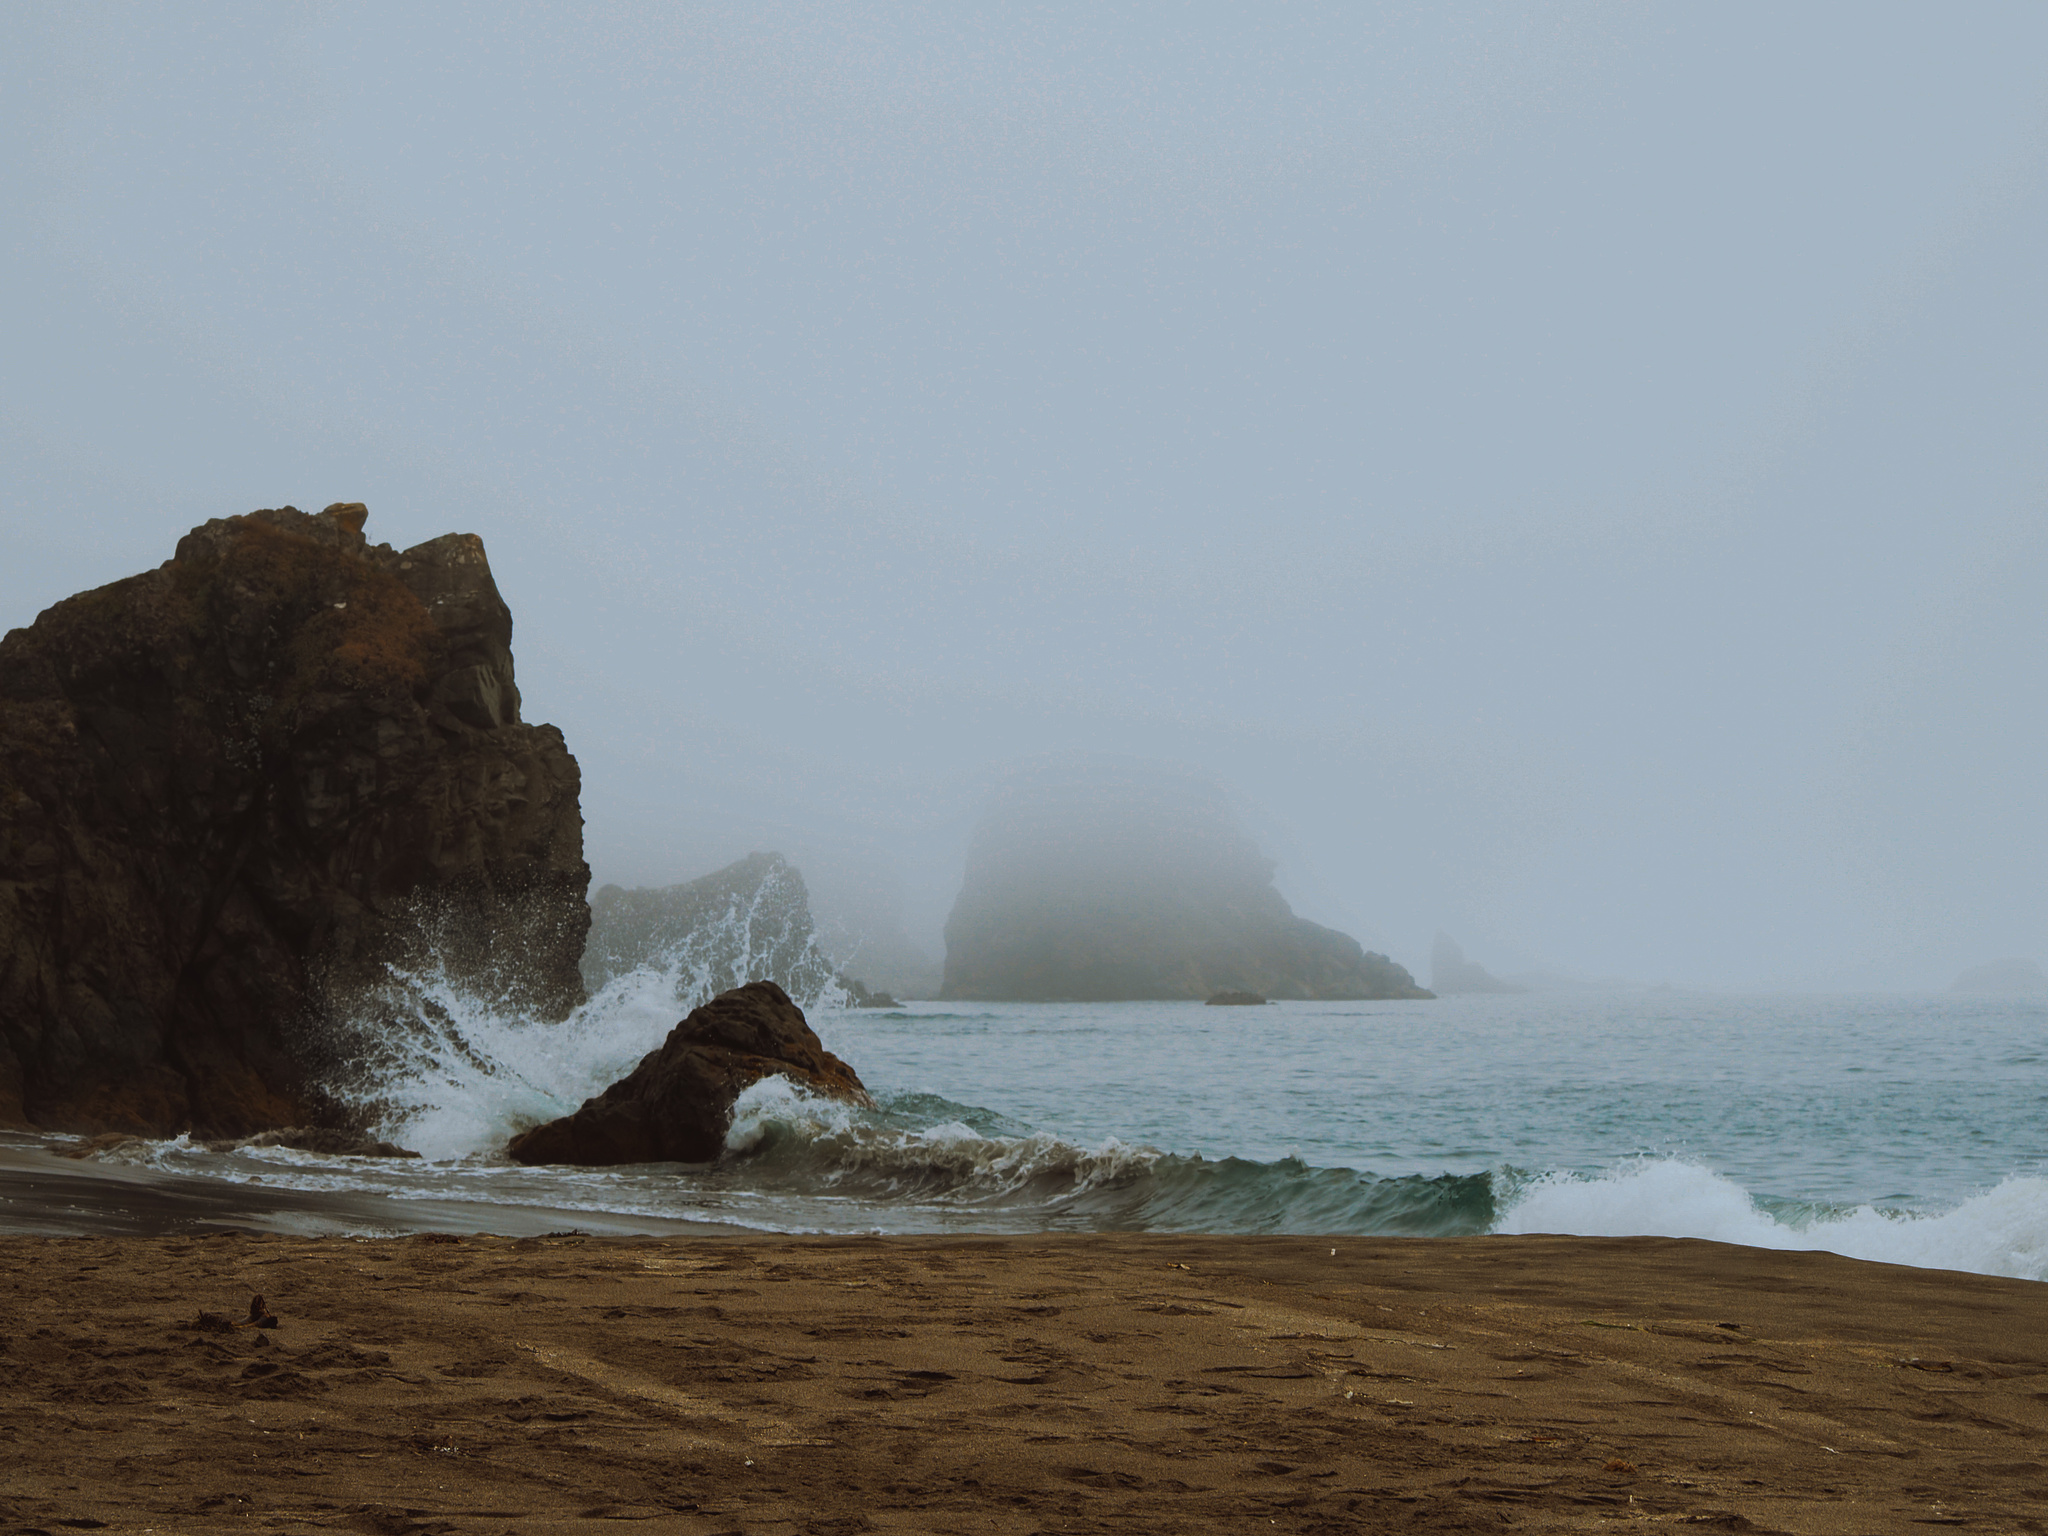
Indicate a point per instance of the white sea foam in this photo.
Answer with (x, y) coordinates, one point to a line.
(776, 1104)
(456, 1077)
(799, 1140)
(2003, 1231)
(443, 1071)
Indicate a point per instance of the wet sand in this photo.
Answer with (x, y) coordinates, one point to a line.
(43, 1192)
(1127, 1384)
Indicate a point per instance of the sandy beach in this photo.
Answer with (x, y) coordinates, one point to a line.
(703, 1385)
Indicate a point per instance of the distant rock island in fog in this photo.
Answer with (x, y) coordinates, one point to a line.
(1115, 886)
(1450, 972)
(2002, 976)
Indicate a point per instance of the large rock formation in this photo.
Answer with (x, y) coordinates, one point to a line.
(749, 921)
(234, 788)
(676, 1106)
(1113, 887)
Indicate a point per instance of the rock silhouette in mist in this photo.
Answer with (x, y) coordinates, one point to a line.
(1108, 887)
(2002, 976)
(676, 1105)
(750, 921)
(1450, 972)
(233, 788)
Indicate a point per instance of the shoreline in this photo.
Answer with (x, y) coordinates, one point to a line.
(44, 1194)
(709, 1384)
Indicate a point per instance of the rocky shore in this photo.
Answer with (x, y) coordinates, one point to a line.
(234, 790)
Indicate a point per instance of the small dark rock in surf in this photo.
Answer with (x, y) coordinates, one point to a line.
(1237, 1000)
(858, 996)
(676, 1106)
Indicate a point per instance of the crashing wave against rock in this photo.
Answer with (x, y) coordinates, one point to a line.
(750, 921)
(676, 1105)
(228, 789)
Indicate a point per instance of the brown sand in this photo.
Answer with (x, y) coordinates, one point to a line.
(1127, 1384)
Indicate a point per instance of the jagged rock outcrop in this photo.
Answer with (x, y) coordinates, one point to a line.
(750, 921)
(233, 788)
(1450, 972)
(1116, 887)
(676, 1106)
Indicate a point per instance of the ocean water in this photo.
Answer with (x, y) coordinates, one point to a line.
(1903, 1128)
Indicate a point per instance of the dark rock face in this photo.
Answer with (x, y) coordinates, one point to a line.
(750, 921)
(233, 788)
(676, 1106)
(1110, 889)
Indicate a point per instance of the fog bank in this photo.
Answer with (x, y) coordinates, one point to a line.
(1572, 472)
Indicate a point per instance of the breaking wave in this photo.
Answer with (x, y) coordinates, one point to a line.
(452, 1077)
(920, 1150)
(2003, 1231)
(427, 1062)
(905, 1153)
(921, 1163)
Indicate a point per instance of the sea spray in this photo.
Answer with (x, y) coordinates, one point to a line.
(1904, 1130)
(2003, 1231)
(435, 1066)
(750, 921)
(438, 1070)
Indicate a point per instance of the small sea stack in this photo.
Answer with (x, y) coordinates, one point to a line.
(676, 1105)
(859, 996)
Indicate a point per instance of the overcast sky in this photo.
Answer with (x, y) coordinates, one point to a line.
(1574, 473)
